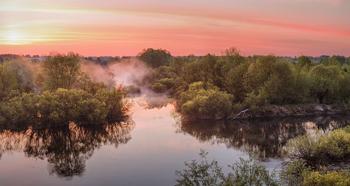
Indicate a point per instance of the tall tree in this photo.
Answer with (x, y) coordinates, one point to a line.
(61, 71)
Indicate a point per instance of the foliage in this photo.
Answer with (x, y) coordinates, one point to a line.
(61, 71)
(325, 82)
(321, 149)
(155, 57)
(209, 173)
(205, 101)
(14, 79)
(332, 178)
(292, 173)
(62, 106)
(256, 81)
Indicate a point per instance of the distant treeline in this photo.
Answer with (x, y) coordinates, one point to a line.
(214, 87)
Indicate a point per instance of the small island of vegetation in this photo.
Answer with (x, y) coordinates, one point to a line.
(55, 92)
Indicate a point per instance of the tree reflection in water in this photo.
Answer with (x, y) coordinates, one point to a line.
(65, 148)
(263, 138)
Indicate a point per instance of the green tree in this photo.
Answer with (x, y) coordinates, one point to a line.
(325, 82)
(234, 82)
(304, 61)
(14, 79)
(61, 71)
(268, 81)
(155, 57)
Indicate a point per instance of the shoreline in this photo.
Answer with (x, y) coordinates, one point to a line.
(298, 110)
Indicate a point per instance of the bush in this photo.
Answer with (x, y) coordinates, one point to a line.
(292, 172)
(209, 173)
(205, 102)
(333, 178)
(63, 106)
(321, 149)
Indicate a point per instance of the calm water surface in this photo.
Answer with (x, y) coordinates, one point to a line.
(144, 151)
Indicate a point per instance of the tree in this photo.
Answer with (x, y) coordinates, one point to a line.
(304, 61)
(234, 82)
(14, 79)
(61, 71)
(325, 81)
(155, 57)
(268, 81)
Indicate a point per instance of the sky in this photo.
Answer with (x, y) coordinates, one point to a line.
(119, 27)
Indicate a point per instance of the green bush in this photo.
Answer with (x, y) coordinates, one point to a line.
(321, 149)
(292, 172)
(209, 173)
(205, 102)
(63, 106)
(333, 178)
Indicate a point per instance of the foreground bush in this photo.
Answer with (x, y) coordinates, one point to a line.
(333, 178)
(321, 149)
(62, 106)
(209, 173)
(298, 173)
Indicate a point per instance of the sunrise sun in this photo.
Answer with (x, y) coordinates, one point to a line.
(14, 38)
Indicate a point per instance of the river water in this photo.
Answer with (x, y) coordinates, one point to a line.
(147, 150)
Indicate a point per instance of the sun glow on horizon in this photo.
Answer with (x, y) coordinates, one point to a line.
(14, 38)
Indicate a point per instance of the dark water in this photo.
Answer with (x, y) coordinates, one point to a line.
(144, 151)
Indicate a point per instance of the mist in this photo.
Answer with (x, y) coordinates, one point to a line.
(126, 72)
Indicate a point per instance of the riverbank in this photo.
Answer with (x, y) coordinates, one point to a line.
(291, 111)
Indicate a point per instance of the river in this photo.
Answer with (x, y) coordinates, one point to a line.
(147, 150)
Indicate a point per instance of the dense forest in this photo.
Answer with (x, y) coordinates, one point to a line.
(55, 92)
(215, 87)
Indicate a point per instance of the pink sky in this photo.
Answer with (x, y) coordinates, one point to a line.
(116, 27)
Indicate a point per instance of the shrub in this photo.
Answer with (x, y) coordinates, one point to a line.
(321, 149)
(62, 106)
(333, 178)
(205, 102)
(292, 172)
(209, 173)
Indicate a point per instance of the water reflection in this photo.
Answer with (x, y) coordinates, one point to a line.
(260, 138)
(66, 148)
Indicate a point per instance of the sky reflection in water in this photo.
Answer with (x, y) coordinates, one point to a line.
(144, 151)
